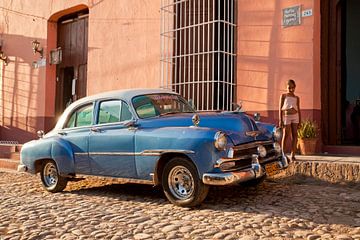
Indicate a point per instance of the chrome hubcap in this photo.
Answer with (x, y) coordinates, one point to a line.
(181, 182)
(50, 174)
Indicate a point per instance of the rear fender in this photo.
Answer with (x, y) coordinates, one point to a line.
(55, 148)
(62, 153)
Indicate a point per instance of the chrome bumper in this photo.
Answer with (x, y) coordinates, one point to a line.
(229, 178)
(22, 168)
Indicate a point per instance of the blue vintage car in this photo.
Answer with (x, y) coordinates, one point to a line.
(153, 137)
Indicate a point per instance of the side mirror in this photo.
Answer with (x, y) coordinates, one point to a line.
(237, 106)
(257, 116)
(40, 133)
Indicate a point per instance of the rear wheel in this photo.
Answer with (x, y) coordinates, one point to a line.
(50, 178)
(181, 183)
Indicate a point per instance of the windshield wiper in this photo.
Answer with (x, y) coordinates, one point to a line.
(168, 113)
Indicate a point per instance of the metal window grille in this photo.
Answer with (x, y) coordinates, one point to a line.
(198, 51)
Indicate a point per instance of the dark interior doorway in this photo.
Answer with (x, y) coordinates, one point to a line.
(64, 88)
(340, 70)
(71, 73)
(350, 77)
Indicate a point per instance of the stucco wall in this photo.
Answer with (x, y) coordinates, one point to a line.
(124, 52)
(269, 54)
(124, 45)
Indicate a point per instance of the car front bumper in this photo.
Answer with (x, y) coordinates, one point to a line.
(234, 177)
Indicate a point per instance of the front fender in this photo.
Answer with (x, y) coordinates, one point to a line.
(267, 128)
(199, 141)
(48, 148)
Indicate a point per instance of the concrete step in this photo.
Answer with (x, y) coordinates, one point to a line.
(7, 148)
(10, 151)
(10, 155)
(10, 147)
(9, 163)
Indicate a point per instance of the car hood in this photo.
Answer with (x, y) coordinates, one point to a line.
(236, 125)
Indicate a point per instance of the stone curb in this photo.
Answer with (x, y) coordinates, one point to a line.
(334, 172)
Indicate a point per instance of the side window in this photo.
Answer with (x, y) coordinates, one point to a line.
(113, 111)
(125, 113)
(81, 117)
(109, 112)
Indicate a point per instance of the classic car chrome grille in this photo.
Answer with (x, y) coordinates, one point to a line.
(243, 155)
(245, 163)
(240, 152)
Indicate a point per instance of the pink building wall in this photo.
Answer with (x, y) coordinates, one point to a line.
(269, 54)
(124, 52)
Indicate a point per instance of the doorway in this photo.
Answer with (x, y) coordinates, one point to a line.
(64, 89)
(71, 77)
(351, 72)
(340, 70)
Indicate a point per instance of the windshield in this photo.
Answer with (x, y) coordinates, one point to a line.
(153, 105)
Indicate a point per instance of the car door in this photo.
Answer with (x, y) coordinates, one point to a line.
(76, 131)
(111, 142)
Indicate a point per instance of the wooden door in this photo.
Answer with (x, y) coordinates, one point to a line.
(73, 40)
(331, 70)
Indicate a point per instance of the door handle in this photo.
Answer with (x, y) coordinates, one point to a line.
(95, 129)
(62, 133)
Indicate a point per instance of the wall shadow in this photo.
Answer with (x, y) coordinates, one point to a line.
(21, 90)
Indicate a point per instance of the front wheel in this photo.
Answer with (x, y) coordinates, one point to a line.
(181, 183)
(50, 178)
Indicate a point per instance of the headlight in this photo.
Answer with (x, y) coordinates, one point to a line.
(230, 153)
(220, 141)
(261, 151)
(277, 134)
(277, 147)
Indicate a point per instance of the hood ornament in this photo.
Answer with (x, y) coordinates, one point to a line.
(196, 120)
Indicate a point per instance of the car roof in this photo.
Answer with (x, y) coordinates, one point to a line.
(125, 94)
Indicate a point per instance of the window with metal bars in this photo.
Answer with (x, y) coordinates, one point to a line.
(198, 51)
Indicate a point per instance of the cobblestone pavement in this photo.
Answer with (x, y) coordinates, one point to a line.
(288, 208)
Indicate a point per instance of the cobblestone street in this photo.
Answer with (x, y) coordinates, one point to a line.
(288, 208)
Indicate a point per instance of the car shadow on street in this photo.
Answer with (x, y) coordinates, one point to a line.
(293, 197)
(123, 191)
